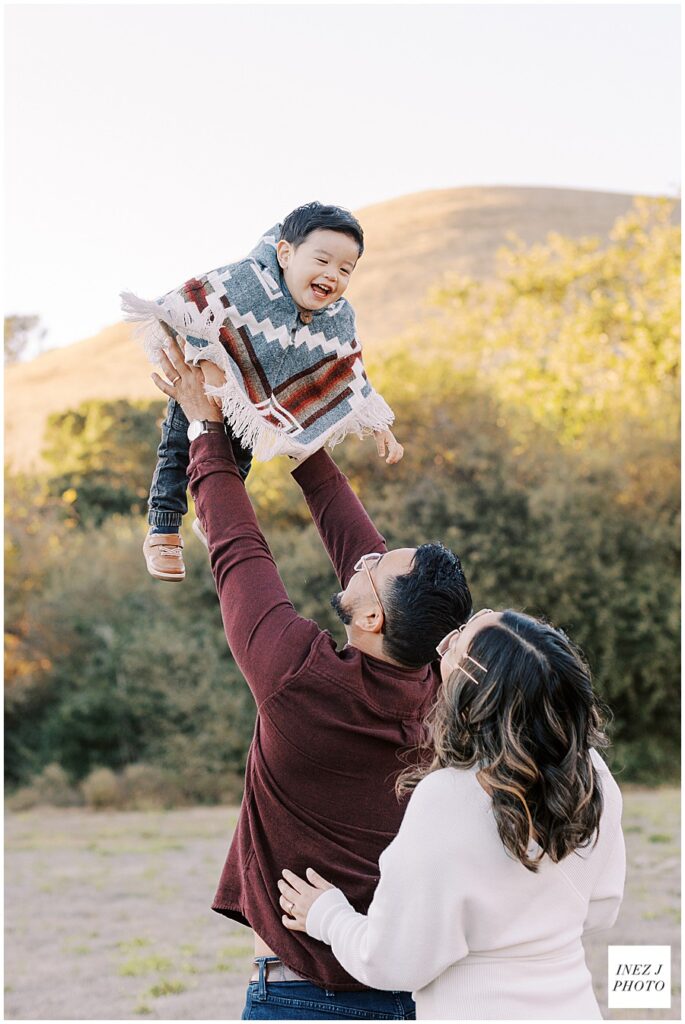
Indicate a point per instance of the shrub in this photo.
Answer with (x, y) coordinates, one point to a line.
(55, 788)
(24, 799)
(200, 786)
(146, 787)
(102, 789)
(51, 787)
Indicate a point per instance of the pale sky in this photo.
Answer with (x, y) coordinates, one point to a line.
(147, 144)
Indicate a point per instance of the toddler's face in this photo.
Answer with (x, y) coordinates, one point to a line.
(318, 271)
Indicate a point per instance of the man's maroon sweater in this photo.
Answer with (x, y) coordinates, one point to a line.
(330, 724)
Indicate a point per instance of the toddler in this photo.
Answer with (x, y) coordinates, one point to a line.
(277, 344)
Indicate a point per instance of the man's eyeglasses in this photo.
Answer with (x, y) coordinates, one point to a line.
(445, 644)
(364, 562)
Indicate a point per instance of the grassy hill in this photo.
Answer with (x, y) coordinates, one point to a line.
(410, 243)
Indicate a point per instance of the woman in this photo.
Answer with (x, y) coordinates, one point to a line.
(511, 846)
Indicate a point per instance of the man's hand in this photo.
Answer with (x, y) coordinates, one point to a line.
(297, 897)
(186, 385)
(395, 449)
(213, 376)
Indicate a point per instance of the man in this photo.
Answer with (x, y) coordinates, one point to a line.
(330, 724)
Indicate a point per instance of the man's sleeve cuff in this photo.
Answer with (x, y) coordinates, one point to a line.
(211, 444)
(318, 467)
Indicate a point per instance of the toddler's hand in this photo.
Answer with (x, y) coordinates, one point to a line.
(387, 438)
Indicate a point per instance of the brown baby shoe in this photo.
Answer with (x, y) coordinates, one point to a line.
(164, 556)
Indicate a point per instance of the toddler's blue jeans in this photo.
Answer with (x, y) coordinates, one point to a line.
(168, 502)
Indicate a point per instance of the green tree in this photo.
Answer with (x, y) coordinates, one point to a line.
(101, 457)
(138, 672)
(581, 335)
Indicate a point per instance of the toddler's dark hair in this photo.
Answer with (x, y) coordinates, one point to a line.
(305, 219)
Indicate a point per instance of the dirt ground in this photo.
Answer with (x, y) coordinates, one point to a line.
(107, 914)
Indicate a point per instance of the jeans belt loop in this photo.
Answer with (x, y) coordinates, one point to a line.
(261, 984)
(261, 962)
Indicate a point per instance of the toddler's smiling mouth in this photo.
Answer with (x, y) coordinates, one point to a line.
(322, 290)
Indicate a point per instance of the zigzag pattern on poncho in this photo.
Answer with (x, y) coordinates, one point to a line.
(291, 386)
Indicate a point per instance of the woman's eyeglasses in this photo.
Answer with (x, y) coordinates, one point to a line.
(445, 644)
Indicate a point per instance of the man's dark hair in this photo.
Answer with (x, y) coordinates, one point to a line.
(312, 216)
(424, 605)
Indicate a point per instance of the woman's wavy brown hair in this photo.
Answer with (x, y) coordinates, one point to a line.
(529, 725)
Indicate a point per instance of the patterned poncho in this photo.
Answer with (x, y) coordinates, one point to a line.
(294, 381)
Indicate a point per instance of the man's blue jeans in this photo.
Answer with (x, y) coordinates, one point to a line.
(168, 503)
(300, 1000)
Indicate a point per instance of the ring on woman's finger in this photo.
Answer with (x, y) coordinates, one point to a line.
(292, 907)
(175, 381)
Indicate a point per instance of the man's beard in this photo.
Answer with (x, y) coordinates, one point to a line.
(342, 613)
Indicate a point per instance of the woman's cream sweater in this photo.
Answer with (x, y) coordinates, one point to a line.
(466, 927)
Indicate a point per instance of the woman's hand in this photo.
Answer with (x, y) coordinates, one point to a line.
(395, 449)
(297, 897)
(186, 385)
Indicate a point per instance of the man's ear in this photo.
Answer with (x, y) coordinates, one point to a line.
(371, 621)
(284, 251)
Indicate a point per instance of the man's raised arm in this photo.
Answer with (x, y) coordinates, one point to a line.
(269, 640)
(342, 521)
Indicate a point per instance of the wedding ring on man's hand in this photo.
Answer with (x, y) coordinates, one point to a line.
(175, 381)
